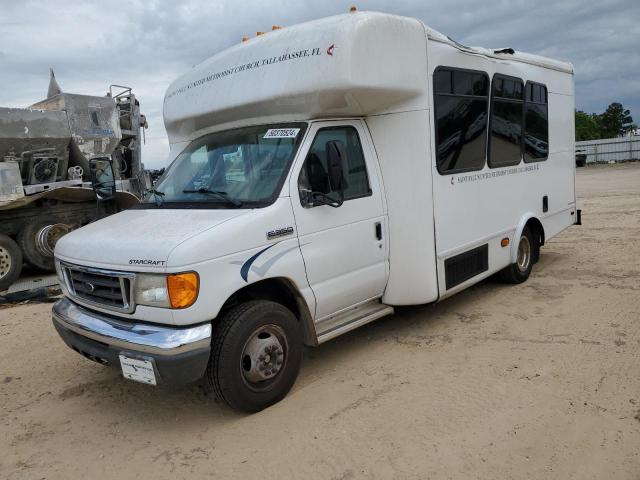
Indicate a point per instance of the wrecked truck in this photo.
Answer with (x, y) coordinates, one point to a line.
(46, 155)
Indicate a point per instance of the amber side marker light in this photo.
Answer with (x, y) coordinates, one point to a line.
(183, 289)
(505, 242)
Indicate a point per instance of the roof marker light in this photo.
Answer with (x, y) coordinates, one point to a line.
(245, 39)
(276, 27)
(353, 9)
(259, 33)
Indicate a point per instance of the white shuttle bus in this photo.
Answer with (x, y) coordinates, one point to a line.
(321, 174)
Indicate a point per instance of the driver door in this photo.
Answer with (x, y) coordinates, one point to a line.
(344, 248)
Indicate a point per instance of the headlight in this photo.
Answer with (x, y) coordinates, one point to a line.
(151, 290)
(167, 291)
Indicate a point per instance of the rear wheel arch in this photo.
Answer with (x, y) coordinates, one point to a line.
(537, 230)
(280, 290)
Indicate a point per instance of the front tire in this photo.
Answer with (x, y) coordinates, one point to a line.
(256, 354)
(10, 262)
(519, 271)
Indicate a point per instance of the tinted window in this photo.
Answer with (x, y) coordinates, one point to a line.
(506, 121)
(314, 176)
(460, 100)
(536, 124)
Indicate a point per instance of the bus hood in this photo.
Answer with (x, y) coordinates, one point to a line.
(139, 239)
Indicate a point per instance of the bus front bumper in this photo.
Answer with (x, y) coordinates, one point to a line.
(179, 355)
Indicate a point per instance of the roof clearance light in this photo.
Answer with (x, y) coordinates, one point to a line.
(353, 9)
(259, 33)
(245, 39)
(276, 27)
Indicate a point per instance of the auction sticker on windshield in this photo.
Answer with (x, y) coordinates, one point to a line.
(282, 133)
(138, 370)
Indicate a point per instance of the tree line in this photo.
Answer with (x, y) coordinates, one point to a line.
(616, 121)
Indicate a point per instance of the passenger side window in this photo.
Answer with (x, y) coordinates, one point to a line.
(314, 174)
(536, 123)
(461, 103)
(506, 121)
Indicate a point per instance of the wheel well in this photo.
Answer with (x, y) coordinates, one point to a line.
(282, 291)
(537, 230)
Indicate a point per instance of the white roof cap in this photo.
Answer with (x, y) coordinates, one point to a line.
(355, 64)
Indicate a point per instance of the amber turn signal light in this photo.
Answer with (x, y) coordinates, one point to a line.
(183, 289)
(504, 242)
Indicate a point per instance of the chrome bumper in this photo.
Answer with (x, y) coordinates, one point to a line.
(140, 337)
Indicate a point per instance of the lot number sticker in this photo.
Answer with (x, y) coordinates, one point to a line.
(282, 133)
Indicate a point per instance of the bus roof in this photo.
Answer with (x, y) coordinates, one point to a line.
(356, 64)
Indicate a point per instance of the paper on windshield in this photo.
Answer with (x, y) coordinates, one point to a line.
(282, 133)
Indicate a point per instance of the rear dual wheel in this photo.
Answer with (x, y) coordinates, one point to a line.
(519, 271)
(38, 240)
(256, 354)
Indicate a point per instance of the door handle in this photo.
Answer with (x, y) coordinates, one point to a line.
(378, 230)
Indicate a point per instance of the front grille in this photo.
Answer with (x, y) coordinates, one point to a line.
(103, 288)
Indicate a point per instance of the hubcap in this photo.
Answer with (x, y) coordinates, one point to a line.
(524, 253)
(5, 262)
(263, 355)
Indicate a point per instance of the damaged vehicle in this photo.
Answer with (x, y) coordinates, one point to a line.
(46, 156)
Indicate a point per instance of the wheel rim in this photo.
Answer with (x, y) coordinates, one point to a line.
(5, 262)
(47, 237)
(524, 253)
(263, 357)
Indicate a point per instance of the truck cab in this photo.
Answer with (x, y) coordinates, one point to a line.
(305, 197)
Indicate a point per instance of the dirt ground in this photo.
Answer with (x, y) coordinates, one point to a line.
(539, 380)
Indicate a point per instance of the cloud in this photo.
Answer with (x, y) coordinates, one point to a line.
(146, 45)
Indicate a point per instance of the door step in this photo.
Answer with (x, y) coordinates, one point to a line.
(336, 325)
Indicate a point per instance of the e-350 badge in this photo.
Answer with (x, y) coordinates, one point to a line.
(279, 232)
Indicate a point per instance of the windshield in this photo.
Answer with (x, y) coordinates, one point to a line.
(238, 168)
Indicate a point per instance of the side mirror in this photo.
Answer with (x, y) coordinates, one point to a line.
(337, 166)
(102, 178)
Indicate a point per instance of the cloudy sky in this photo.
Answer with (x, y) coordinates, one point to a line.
(146, 44)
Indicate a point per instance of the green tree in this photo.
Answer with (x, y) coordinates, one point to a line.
(587, 126)
(615, 121)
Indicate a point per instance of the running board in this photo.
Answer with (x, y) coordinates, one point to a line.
(353, 318)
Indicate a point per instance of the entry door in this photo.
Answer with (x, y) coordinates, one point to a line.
(344, 248)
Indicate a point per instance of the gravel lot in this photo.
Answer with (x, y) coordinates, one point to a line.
(539, 380)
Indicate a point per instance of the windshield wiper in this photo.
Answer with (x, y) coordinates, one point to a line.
(217, 193)
(157, 195)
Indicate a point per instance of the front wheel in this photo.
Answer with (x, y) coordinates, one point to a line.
(255, 356)
(10, 262)
(519, 271)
